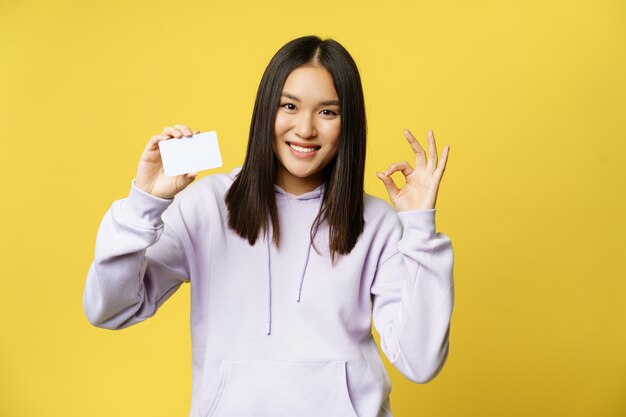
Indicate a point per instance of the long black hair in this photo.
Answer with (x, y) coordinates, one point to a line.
(251, 199)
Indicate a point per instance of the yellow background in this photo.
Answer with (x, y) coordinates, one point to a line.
(531, 96)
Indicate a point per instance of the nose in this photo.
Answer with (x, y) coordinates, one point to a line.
(305, 126)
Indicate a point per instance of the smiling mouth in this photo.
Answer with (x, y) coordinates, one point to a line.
(303, 148)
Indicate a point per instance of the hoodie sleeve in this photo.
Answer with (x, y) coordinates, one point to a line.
(413, 296)
(139, 260)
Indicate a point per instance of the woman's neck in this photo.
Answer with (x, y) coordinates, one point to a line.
(298, 186)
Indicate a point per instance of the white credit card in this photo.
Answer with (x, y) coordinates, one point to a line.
(184, 155)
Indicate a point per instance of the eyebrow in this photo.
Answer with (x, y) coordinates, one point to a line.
(323, 103)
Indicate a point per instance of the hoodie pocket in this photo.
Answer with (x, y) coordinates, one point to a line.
(278, 388)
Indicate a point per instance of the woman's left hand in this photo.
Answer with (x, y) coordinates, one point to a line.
(422, 183)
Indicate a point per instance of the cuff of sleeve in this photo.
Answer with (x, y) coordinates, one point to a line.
(418, 224)
(145, 206)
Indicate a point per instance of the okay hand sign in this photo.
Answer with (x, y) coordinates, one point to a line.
(422, 183)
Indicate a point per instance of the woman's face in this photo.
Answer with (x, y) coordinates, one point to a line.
(307, 128)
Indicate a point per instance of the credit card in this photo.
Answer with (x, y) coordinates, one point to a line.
(184, 155)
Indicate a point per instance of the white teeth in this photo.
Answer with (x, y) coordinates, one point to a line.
(301, 149)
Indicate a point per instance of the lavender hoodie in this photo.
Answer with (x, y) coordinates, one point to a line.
(280, 332)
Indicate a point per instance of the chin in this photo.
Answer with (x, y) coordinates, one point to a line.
(302, 172)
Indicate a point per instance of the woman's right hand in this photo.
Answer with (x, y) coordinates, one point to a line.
(150, 175)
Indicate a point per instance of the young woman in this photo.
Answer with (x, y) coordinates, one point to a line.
(288, 259)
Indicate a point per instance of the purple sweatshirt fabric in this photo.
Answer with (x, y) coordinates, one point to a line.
(279, 331)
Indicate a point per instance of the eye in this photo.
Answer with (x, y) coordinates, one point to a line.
(288, 106)
(327, 112)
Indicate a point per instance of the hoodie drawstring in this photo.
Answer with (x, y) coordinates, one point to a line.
(269, 269)
(269, 287)
(306, 262)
